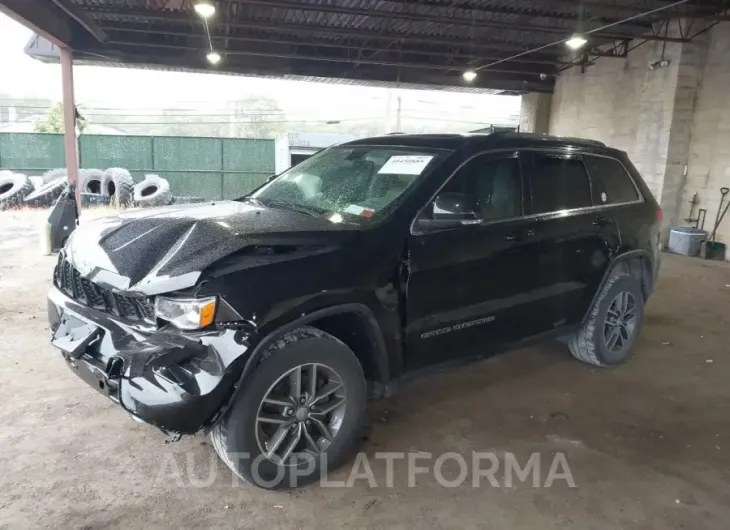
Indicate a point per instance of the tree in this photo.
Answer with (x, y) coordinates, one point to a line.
(257, 116)
(53, 122)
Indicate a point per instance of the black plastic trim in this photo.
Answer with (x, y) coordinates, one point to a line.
(376, 336)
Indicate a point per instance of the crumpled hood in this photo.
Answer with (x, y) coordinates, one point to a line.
(165, 249)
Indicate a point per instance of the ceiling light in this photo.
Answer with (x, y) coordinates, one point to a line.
(204, 9)
(469, 75)
(662, 63)
(213, 57)
(576, 41)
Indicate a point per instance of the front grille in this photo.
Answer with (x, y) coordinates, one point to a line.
(68, 279)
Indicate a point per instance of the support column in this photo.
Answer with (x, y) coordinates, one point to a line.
(666, 111)
(69, 120)
(535, 113)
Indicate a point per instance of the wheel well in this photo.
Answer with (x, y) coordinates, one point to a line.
(640, 268)
(357, 334)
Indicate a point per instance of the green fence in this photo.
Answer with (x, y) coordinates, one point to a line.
(214, 168)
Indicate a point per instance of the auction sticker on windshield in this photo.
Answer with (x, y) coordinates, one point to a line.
(405, 165)
(354, 209)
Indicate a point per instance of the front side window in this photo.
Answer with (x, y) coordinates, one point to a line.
(559, 183)
(353, 183)
(611, 183)
(492, 185)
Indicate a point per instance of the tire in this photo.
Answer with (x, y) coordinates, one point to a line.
(14, 187)
(240, 433)
(152, 191)
(94, 199)
(117, 184)
(47, 194)
(592, 344)
(90, 180)
(37, 182)
(54, 174)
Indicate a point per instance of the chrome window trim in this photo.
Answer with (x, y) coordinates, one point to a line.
(515, 153)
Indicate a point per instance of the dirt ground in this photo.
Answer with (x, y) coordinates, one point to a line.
(648, 443)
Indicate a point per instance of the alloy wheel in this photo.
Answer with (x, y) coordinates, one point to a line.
(300, 414)
(620, 322)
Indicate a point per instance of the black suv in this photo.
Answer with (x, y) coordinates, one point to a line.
(268, 321)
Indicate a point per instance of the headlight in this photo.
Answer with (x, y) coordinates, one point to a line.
(186, 313)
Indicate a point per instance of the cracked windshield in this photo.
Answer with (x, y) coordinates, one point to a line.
(355, 182)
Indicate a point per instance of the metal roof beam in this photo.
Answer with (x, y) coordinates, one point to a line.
(82, 18)
(390, 36)
(334, 59)
(443, 19)
(367, 47)
(286, 68)
(617, 9)
(525, 8)
(45, 18)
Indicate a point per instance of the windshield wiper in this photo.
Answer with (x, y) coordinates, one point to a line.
(290, 206)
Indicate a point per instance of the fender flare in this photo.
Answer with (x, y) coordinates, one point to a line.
(373, 329)
(617, 260)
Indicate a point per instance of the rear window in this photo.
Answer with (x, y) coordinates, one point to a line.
(559, 183)
(611, 183)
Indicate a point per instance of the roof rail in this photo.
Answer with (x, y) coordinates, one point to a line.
(547, 137)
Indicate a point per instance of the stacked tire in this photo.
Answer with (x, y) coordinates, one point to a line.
(98, 187)
(118, 185)
(14, 188)
(152, 191)
(91, 181)
(47, 194)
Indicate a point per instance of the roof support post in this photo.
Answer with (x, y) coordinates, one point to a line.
(69, 120)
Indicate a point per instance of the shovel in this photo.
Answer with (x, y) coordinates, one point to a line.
(714, 250)
(719, 217)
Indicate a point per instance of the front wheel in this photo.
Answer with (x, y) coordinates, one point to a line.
(299, 414)
(613, 325)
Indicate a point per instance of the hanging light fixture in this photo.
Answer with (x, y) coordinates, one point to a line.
(576, 41)
(213, 57)
(469, 76)
(204, 9)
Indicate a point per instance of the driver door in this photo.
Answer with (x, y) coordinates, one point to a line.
(470, 282)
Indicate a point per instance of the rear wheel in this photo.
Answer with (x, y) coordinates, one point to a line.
(608, 335)
(299, 415)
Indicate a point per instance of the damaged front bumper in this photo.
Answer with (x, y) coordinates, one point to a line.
(177, 381)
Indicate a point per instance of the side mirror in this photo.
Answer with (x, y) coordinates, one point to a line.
(454, 207)
(272, 177)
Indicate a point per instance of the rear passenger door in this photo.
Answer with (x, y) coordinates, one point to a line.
(573, 239)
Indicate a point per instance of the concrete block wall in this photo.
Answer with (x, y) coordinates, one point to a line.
(602, 103)
(535, 113)
(708, 167)
(674, 122)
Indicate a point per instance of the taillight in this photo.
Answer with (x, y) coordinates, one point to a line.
(659, 215)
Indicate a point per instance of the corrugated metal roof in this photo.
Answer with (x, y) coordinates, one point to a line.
(381, 42)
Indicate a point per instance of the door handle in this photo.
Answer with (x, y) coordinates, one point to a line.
(601, 221)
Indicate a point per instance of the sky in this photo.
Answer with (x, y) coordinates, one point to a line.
(124, 88)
